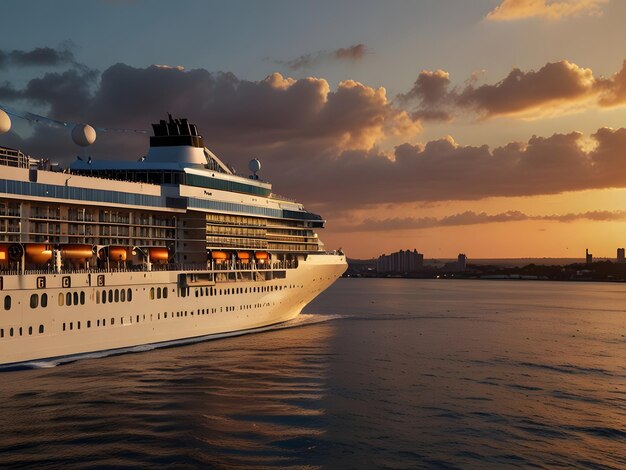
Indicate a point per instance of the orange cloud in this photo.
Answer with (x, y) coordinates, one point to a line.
(477, 218)
(551, 10)
(556, 87)
(310, 135)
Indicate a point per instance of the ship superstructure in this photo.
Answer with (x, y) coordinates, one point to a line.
(182, 246)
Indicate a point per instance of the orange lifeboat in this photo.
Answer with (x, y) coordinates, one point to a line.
(80, 252)
(243, 256)
(4, 255)
(118, 253)
(39, 254)
(262, 255)
(219, 255)
(158, 254)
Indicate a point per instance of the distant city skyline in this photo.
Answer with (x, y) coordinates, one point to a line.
(498, 125)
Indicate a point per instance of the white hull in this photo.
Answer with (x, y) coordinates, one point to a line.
(210, 308)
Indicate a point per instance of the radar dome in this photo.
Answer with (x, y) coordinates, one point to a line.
(83, 135)
(5, 122)
(254, 165)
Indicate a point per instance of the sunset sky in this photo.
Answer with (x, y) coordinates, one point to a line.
(489, 127)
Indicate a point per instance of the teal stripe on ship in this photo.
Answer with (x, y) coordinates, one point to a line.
(26, 188)
(224, 185)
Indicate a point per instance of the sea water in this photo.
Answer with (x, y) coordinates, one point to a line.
(377, 373)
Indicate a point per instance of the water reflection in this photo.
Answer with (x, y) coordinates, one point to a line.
(248, 400)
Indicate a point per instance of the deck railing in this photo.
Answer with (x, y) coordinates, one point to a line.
(225, 267)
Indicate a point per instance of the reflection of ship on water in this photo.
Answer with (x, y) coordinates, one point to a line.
(117, 254)
(235, 402)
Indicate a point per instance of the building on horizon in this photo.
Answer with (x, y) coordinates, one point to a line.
(621, 255)
(400, 262)
(588, 257)
(462, 262)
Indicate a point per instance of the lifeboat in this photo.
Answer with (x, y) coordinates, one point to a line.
(158, 254)
(118, 253)
(80, 252)
(4, 255)
(262, 255)
(219, 255)
(243, 256)
(39, 253)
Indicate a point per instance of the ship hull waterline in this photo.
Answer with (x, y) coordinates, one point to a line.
(204, 311)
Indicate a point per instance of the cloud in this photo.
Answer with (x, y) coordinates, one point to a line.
(238, 116)
(477, 218)
(352, 53)
(554, 83)
(40, 56)
(510, 10)
(555, 87)
(431, 91)
(319, 144)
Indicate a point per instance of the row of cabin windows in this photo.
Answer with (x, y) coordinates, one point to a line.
(126, 295)
(160, 293)
(70, 326)
(69, 299)
(114, 295)
(210, 291)
(20, 331)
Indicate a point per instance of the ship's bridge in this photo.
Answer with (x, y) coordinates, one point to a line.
(177, 155)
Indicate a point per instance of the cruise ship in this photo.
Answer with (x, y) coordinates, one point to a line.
(109, 255)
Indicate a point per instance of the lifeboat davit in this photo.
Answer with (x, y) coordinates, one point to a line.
(118, 253)
(158, 254)
(39, 253)
(80, 252)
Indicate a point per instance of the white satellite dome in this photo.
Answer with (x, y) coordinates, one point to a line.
(83, 135)
(254, 165)
(5, 122)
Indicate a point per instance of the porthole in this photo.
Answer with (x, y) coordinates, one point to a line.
(34, 301)
(129, 296)
(75, 298)
(117, 295)
(158, 293)
(40, 329)
(82, 298)
(30, 330)
(123, 295)
(104, 297)
(7, 303)
(152, 293)
(68, 298)
(97, 296)
(61, 299)
(110, 296)
(165, 292)
(44, 300)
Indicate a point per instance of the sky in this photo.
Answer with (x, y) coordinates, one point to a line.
(496, 128)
